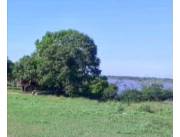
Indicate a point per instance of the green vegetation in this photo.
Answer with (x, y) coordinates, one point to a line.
(64, 62)
(50, 116)
(152, 93)
(10, 66)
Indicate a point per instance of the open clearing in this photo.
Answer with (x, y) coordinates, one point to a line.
(50, 116)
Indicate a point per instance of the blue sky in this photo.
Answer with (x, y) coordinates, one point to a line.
(134, 37)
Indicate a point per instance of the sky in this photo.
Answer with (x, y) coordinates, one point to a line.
(134, 37)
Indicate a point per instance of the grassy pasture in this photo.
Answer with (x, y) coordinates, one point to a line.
(50, 116)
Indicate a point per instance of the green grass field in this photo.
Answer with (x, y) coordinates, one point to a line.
(50, 116)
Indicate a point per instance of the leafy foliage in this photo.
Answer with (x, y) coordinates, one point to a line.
(65, 62)
(110, 92)
(152, 93)
(25, 71)
(10, 66)
(131, 95)
(68, 61)
(97, 87)
(157, 93)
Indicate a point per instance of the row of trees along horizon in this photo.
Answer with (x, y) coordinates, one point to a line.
(66, 63)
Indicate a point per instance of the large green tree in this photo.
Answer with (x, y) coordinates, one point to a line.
(68, 61)
(64, 62)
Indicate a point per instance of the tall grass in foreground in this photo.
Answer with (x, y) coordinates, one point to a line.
(50, 116)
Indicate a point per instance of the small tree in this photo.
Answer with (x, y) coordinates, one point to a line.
(25, 71)
(10, 66)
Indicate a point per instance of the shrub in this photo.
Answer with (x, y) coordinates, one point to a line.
(156, 93)
(152, 93)
(97, 87)
(131, 95)
(167, 95)
(110, 92)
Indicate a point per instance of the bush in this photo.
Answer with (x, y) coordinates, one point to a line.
(152, 93)
(131, 95)
(101, 89)
(156, 93)
(110, 92)
(167, 95)
(97, 87)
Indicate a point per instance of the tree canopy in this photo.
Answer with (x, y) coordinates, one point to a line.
(64, 62)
